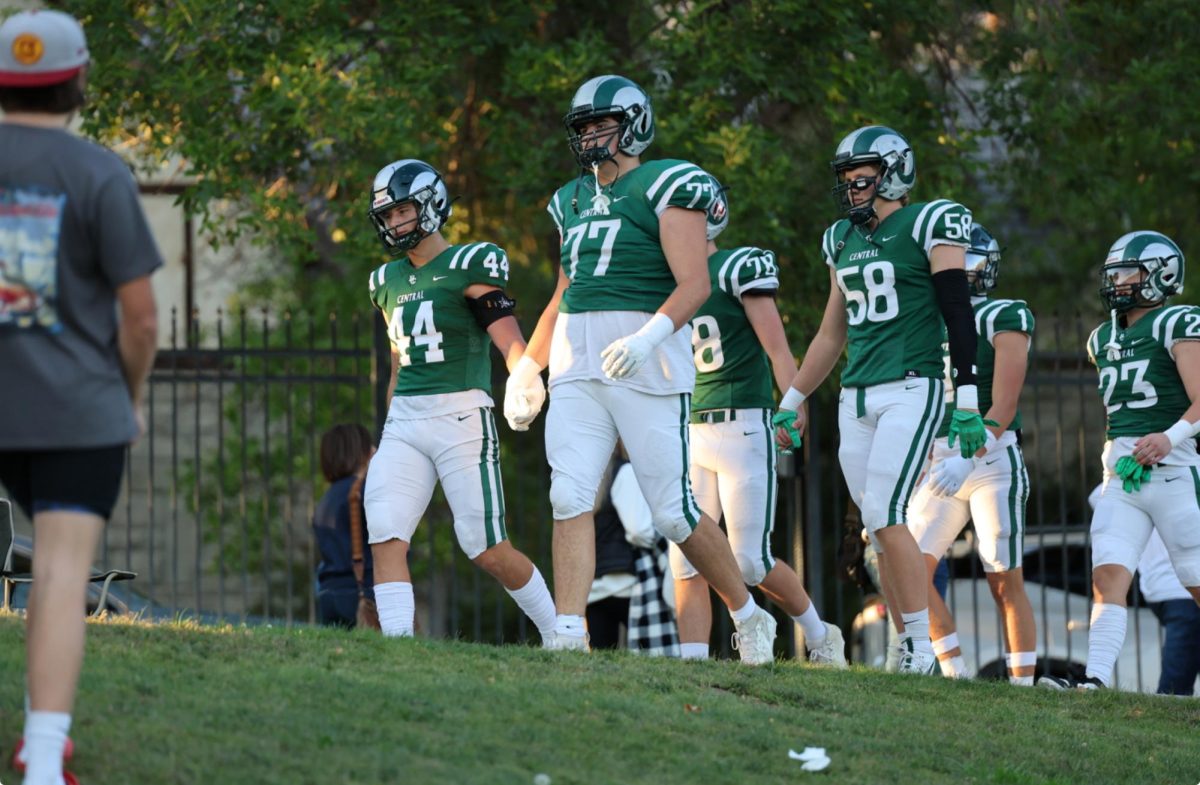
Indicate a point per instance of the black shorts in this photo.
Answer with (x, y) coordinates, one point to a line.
(78, 480)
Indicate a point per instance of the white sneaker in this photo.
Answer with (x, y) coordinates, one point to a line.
(892, 663)
(755, 638)
(557, 642)
(832, 650)
(920, 662)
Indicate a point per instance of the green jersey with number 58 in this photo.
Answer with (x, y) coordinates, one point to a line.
(732, 370)
(441, 347)
(1141, 390)
(611, 248)
(895, 327)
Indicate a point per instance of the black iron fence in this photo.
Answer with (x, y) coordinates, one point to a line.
(219, 496)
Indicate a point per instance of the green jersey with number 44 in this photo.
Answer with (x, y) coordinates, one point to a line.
(895, 327)
(991, 317)
(441, 347)
(732, 370)
(611, 250)
(1141, 389)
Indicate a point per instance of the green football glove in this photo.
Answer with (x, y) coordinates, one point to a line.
(968, 429)
(785, 418)
(1132, 473)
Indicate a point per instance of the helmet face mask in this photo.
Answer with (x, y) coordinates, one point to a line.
(414, 182)
(603, 97)
(879, 146)
(594, 147)
(717, 217)
(983, 261)
(1142, 270)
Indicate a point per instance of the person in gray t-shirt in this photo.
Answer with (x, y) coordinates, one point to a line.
(75, 251)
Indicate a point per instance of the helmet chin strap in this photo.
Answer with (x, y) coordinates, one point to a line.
(1112, 349)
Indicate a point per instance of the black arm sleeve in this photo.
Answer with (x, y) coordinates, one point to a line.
(954, 301)
(492, 307)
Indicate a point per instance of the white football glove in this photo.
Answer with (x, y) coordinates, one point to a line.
(524, 394)
(625, 356)
(949, 474)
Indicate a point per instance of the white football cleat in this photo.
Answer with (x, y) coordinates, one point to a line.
(832, 650)
(557, 642)
(919, 662)
(755, 638)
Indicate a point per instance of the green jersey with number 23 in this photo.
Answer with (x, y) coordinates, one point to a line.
(1141, 389)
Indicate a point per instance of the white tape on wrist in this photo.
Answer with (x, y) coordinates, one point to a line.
(967, 397)
(1180, 432)
(526, 368)
(658, 329)
(792, 399)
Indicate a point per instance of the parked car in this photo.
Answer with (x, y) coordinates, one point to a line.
(1058, 581)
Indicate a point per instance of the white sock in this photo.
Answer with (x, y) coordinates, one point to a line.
(569, 626)
(396, 608)
(745, 612)
(916, 631)
(534, 598)
(1020, 659)
(45, 738)
(944, 645)
(23, 757)
(954, 667)
(693, 651)
(814, 628)
(1106, 635)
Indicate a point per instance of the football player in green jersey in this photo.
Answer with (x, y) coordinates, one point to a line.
(893, 267)
(990, 488)
(633, 272)
(444, 306)
(1148, 356)
(740, 346)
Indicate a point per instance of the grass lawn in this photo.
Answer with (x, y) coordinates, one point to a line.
(267, 706)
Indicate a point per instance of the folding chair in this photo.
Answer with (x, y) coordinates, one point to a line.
(10, 579)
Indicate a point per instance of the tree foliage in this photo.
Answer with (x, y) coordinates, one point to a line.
(1061, 124)
(285, 110)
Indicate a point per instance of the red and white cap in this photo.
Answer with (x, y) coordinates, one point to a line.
(40, 48)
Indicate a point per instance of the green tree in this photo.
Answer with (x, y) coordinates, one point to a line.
(286, 110)
(1091, 104)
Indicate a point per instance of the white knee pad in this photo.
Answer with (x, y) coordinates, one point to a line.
(874, 513)
(752, 567)
(1187, 567)
(567, 498)
(674, 529)
(681, 568)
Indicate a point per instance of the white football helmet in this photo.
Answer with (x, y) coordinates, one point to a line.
(409, 180)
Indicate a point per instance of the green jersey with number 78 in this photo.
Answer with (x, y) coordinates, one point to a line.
(429, 324)
(894, 326)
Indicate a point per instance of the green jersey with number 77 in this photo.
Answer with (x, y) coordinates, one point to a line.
(894, 327)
